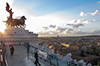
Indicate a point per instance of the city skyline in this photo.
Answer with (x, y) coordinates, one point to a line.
(52, 17)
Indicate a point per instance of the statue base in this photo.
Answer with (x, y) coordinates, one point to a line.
(18, 36)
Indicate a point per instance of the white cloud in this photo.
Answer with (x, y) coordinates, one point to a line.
(94, 20)
(93, 32)
(97, 32)
(96, 12)
(82, 14)
(49, 27)
(45, 28)
(60, 29)
(93, 14)
(82, 21)
(68, 32)
(76, 25)
(52, 26)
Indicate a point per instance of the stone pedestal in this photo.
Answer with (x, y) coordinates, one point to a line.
(18, 36)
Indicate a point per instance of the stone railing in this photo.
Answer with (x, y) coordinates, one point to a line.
(56, 59)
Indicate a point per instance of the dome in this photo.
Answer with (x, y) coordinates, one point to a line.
(73, 47)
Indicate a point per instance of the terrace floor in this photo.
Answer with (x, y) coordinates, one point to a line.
(19, 58)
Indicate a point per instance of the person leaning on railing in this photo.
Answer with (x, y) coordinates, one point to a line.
(36, 59)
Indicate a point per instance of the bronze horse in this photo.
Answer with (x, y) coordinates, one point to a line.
(14, 22)
(19, 22)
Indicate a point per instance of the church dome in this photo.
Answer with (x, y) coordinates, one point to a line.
(73, 47)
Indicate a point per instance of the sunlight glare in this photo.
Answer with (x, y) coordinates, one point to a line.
(2, 27)
(4, 14)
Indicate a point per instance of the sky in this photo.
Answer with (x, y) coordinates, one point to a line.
(55, 17)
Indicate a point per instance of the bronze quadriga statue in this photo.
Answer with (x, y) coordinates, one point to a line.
(15, 23)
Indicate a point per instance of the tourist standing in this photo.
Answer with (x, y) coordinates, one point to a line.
(28, 49)
(11, 49)
(36, 59)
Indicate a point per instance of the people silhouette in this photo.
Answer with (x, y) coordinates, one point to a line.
(11, 49)
(36, 59)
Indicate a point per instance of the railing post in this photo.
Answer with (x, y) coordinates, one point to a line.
(57, 61)
(50, 61)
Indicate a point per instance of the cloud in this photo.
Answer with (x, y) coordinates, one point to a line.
(79, 32)
(69, 30)
(95, 32)
(74, 21)
(60, 29)
(93, 14)
(45, 28)
(48, 27)
(83, 14)
(96, 12)
(87, 21)
(76, 25)
(52, 26)
(79, 22)
(82, 21)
